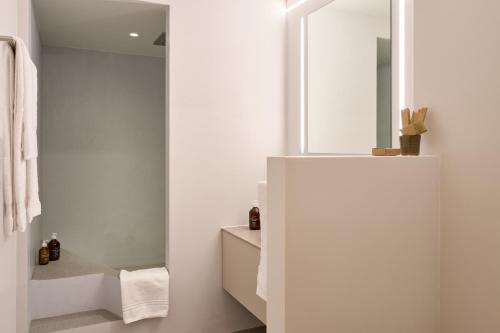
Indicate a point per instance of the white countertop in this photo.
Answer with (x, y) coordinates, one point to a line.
(244, 233)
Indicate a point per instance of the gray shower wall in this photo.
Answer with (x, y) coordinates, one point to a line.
(103, 155)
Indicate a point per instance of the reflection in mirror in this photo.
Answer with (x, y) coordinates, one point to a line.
(349, 77)
(384, 93)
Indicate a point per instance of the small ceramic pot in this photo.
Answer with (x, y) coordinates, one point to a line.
(410, 144)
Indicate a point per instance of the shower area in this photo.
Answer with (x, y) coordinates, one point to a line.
(103, 155)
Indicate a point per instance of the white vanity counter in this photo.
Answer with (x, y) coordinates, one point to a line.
(240, 262)
(242, 232)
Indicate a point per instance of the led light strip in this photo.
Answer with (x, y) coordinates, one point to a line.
(302, 86)
(402, 54)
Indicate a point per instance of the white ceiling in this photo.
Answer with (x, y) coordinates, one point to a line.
(363, 7)
(102, 25)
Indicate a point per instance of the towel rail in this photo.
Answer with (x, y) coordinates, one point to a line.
(10, 39)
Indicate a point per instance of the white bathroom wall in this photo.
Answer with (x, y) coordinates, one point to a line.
(342, 68)
(227, 115)
(8, 15)
(457, 54)
(8, 276)
(103, 155)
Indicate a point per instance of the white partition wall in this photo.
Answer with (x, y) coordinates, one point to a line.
(353, 244)
(456, 69)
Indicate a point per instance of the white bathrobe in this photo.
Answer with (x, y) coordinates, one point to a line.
(24, 148)
(6, 119)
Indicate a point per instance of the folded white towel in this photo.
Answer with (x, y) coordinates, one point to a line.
(144, 294)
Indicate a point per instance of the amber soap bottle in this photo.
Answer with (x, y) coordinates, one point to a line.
(43, 254)
(254, 217)
(54, 248)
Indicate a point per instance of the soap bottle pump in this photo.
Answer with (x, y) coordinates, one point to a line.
(54, 248)
(43, 254)
(254, 216)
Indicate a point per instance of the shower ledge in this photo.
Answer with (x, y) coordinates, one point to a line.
(70, 265)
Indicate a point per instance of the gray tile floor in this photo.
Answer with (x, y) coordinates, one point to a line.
(73, 320)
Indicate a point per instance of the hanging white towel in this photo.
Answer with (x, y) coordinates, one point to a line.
(144, 294)
(24, 138)
(6, 119)
(262, 272)
(30, 151)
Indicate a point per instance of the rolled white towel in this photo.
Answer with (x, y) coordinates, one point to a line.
(144, 294)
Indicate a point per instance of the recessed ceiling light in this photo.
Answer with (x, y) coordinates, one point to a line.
(133, 34)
